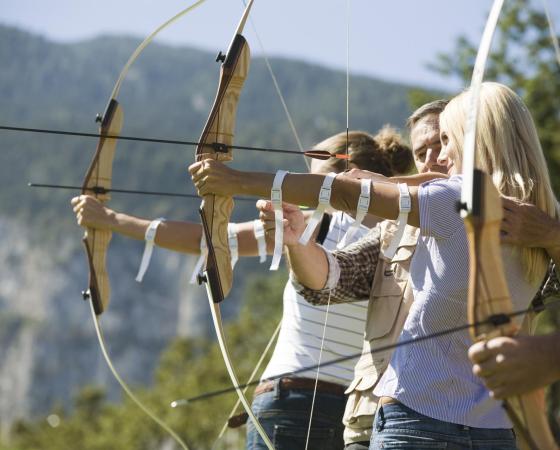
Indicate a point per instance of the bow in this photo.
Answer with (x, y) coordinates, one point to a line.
(489, 301)
(215, 142)
(98, 181)
(99, 176)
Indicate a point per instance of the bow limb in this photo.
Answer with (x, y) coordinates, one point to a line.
(212, 283)
(99, 175)
(96, 242)
(300, 146)
(249, 381)
(489, 302)
(215, 142)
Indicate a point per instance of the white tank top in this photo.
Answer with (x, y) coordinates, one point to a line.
(301, 333)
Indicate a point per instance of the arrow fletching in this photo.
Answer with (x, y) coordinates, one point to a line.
(323, 154)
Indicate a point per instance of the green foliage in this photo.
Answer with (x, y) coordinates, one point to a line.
(419, 97)
(523, 58)
(189, 367)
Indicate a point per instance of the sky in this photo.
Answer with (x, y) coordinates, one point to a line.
(393, 40)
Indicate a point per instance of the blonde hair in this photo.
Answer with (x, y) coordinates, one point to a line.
(507, 148)
(385, 153)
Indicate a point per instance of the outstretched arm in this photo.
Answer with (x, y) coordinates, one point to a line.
(412, 180)
(180, 236)
(211, 176)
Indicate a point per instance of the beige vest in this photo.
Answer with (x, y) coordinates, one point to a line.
(390, 300)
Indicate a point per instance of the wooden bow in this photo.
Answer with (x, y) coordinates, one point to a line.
(96, 242)
(215, 142)
(489, 301)
(97, 180)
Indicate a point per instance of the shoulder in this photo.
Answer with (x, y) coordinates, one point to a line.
(441, 188)
(452, 183)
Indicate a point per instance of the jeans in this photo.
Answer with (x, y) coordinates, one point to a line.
(399, 427)
(284, 415)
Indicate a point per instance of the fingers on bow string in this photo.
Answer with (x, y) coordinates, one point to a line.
(266, 214)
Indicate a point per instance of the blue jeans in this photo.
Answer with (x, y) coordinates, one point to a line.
(399, 427)
(284, 415)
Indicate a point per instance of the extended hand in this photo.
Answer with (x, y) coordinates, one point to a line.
(213, 177)
(90, 213)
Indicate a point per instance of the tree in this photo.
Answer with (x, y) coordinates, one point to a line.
(189, 367)
(523, 58)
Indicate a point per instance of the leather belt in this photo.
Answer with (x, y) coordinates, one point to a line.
(288, 383)
(307, 384)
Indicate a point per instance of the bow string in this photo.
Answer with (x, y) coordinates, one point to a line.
(215, 143)
(98, 180)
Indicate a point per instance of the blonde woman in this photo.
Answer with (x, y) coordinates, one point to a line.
(429, 395)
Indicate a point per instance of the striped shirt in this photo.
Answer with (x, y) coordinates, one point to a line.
(434, 377)
(301, 333)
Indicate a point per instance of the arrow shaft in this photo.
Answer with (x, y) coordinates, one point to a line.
(141, 139)
(126, 191)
